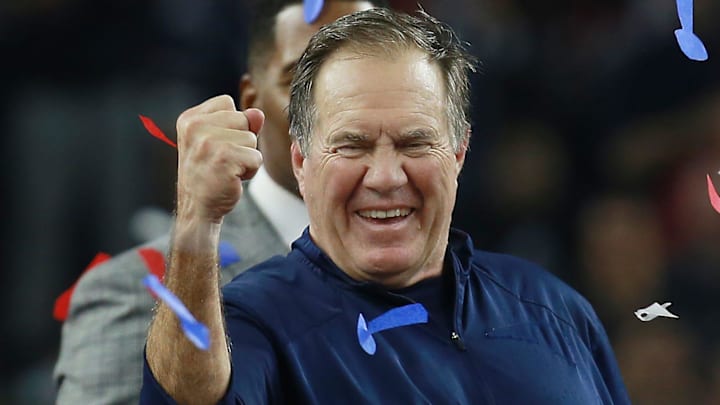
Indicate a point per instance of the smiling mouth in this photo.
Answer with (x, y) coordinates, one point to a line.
(396, 213)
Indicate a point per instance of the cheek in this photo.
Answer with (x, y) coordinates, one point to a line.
(337, 180)
(434, 179)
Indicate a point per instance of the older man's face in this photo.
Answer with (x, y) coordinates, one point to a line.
(380, 176)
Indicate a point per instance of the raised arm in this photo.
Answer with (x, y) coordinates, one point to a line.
(216, 151)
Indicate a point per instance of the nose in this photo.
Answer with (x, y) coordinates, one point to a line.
(385, 172)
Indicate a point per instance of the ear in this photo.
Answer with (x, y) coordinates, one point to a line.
(462, 151)
(248, 92)
(298, 160)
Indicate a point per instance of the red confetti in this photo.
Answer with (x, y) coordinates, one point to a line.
(154, 260)
(155, 131)
(62, 303)
(714, 197)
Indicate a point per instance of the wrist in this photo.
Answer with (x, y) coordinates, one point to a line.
(195, 232)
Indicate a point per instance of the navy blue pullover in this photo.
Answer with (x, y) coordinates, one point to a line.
(515, 335)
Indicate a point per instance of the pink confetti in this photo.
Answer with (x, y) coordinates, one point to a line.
(155, 131)
(714, 197)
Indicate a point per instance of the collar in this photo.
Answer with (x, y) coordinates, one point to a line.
(283, 209)
(459, 254)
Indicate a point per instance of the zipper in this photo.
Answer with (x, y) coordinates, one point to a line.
(459, 290)
(455, 338)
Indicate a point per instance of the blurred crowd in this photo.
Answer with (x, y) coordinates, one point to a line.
(592, 138)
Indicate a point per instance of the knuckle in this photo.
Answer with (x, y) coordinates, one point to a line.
(204, 145)
(190, 131)
(181, 122)
(225, 101)
(221, 157)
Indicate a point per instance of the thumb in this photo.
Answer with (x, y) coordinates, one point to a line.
(255, 118)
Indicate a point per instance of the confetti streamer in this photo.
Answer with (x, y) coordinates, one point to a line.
(195, 331)
(155, 131)
(690, 44)
(154, 260)
(62, 303)
(227, 254)
(653, 311)
(714, 197)
(402, 316)
(312, 9)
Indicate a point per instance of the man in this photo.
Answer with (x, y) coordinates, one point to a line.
(379, 301)
(101, 351)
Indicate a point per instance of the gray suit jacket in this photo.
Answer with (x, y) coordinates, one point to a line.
(101, 353)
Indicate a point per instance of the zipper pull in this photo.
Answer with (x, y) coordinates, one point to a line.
(457, 340)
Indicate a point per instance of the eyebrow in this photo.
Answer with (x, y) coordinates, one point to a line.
(289, 67)
(418, 134)
(346, 136)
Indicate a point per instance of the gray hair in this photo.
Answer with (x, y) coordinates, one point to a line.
(380, 29)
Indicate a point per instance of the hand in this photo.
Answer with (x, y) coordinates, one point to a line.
(217, 149)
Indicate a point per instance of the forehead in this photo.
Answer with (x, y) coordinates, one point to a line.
(292, 33)
(380, 90)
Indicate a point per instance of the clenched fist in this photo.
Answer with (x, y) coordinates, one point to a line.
(217, 149)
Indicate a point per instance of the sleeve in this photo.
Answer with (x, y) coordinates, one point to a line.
(608, 379)
(102, 340)
(254, 378)
(607, 365)
(151, 391)
(255, 364)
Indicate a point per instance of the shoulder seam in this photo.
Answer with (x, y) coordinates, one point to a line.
(487, 275)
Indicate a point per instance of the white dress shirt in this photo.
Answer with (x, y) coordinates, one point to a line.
(285, 211)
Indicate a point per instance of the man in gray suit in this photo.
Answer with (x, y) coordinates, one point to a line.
(102, 339)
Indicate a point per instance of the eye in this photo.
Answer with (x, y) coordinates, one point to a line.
(284, 81)
(348, 150)
(416, 147)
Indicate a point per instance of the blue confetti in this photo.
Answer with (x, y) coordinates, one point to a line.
(402, 316)
(312, 9)
(690, 44)
(195, 331)
(227, 254)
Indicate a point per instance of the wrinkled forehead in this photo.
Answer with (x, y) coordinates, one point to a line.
(361, 69)
(354, 86)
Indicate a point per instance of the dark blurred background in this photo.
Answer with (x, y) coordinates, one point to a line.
(593, 135)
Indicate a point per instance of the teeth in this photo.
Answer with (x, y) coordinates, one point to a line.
(377, 214)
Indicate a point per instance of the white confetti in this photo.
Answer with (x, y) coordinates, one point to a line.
(653, 311)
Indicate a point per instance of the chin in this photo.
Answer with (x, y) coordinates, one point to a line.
(388, 263)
